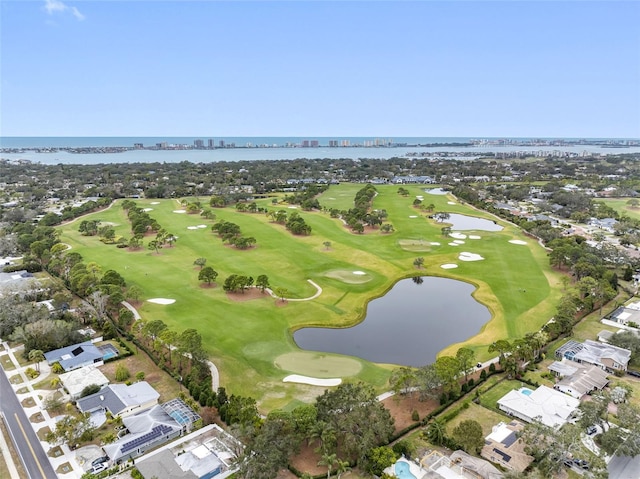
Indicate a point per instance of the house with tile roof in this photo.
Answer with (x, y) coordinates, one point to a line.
(120, 399)
(605, 356)
(504, 447)
(578, 379)
(76, 356)
(548, 406)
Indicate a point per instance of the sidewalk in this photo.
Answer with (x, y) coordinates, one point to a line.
(37, 397)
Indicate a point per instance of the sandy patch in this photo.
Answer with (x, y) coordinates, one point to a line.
(201, 226)
(351, 277)
(454, 244)
(473, 237)
(466, 256)
(451, 202)
(296, 378)
(359, 273)
(155, 202)
(434, 243)
(293, 207)
(161, 300)
(458, 241)
(419, 197)
(147, 209)
(448, 266)
(192, 227)
(413, 216)
(517, 242)
(458, 235)
(179, 211)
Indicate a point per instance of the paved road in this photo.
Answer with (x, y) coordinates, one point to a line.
(33, 456)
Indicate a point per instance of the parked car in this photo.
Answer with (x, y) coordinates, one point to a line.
(100, 460)
(592, 430)
(99, 468)
(633, 373)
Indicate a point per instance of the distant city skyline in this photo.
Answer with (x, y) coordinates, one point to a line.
(324, 69)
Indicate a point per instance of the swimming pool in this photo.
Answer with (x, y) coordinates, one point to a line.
(402, 470)
(108, 351)
(526, 391)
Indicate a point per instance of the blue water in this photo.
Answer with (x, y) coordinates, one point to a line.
(402, 470)
(526, 391)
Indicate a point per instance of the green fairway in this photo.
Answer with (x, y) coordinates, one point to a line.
(621, 206)
(248, 340)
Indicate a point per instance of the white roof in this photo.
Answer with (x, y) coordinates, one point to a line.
(75, 381)
(550, 407)
(499, 432)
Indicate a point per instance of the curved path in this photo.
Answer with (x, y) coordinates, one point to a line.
(312, 283)
(215, 375)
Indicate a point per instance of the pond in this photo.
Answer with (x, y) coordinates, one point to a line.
(464, 222)
(409, 325)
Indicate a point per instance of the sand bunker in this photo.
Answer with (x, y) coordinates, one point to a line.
(434, 243)
(517, 242)
(458, 235)
(451, 202)
(293, 207)
(155, 202)
(458, 241)
(192, 227)
(413, 216)
(147, 209)
(419, 197)
(466, 256)
(473, 237)
(161, 300)
(179, 211)
(296, 378)
(359, 273)
(453, 244)
(448, 266)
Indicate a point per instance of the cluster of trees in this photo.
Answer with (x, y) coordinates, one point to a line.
(306, 196)
(294, 222)
(517, 354)
(361, 215)
(230, 233)
(347, 424)
(440, 379)
(71, 212)
(252, 207)
(238, 282)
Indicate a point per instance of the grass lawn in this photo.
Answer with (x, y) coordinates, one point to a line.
(6, 363)
(489, 398)
(486, 417)
(248, 340)
(621, 206)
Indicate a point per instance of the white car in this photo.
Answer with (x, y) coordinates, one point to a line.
(99, 468)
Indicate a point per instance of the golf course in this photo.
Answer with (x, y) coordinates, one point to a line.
(337, 271)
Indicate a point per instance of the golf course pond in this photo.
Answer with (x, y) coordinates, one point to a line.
(408, 326)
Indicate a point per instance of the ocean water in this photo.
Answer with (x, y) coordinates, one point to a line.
(269, 148)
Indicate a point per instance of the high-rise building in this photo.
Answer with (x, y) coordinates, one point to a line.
(210, 143)
(198, 144)
(314, 144)
(138, 146)
(221, 143)
(305, 144)
(333, 143)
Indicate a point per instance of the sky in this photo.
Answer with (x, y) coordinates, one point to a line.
(320, 68)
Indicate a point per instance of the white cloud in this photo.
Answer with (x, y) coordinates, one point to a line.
(56, 6)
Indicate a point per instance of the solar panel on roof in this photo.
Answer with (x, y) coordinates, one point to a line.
(77, 351)
(505, 457)
(510, 439)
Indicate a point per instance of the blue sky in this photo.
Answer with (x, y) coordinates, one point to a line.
(299, 68)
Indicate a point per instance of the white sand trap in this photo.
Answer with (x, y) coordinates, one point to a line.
(161, 300)
(192, 227)
(458, 235)
(420, 197)
(296, 378)
(201, 226)
(517, 242)
(155, 202)
(458, 241)
(293, 207)
(451, 202)
(413, 216)
(359, 273)
(179, 211)
(466, 256)
(473, 237)
(434, 243)
(453, 244)
(147, 209)
(448, 266)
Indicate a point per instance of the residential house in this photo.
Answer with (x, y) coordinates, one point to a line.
(120, 399)
(552, 408)
(503, 447)
(75, 381)
(578, 379)
(605, 356)
(76, 356)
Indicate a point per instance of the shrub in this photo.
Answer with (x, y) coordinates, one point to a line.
(90, 389)
(492, 368)
(140, 376)
(471, 382)
(32, 373)
(415, 416)
(122, 373)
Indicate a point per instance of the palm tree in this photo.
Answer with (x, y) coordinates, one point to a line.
(436, 431)
(36, 356)
(328, 460)
(342, 467)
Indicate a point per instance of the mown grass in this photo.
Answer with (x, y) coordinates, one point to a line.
(244, 338)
